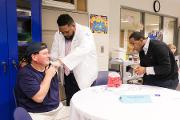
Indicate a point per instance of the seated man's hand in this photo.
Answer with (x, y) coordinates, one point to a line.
(51, 71)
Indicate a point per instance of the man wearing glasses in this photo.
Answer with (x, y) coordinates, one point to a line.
(157, 62)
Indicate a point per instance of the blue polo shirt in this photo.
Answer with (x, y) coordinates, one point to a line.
(28, 84)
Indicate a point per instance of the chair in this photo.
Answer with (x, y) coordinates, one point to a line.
(21, 114)
(102, 78)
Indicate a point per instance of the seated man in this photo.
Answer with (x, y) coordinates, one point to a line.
(37, 86)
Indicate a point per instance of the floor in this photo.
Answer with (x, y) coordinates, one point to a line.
(66, 118)
(178, 87)
(67, 108)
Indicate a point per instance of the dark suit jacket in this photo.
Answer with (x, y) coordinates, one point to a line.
(162, 59)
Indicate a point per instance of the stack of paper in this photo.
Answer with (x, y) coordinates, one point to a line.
(135, 98)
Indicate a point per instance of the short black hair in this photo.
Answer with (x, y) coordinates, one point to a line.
(137, 36)
(64, 19)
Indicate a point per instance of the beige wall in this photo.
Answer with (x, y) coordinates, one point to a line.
(49, 27)
(111, 9)
(49, 24)
(101, 7)
(168, 7)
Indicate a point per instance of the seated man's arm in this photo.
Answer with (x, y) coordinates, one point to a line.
(45, 85)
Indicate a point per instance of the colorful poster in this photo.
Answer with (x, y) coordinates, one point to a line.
(98, 24)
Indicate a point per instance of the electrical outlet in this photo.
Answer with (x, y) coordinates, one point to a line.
(102, 49)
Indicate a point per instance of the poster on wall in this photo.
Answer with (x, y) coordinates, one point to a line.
(156, 35)
(98, 24)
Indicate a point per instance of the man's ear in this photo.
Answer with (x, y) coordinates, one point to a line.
(142, 40)
(73, 24)
(34, 57)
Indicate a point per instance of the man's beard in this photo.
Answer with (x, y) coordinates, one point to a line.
(69, 38)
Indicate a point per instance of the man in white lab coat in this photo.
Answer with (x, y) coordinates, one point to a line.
(75, 50)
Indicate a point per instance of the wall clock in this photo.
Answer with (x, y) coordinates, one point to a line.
(156, 6)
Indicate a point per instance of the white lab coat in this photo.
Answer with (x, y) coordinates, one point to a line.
(82, 58)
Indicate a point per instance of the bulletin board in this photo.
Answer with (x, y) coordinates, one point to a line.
(98, 24)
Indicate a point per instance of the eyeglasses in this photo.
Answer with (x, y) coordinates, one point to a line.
(135, 42)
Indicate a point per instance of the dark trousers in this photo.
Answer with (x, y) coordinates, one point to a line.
(71, 87)
(171, 84)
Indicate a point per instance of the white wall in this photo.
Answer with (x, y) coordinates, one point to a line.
(101, 7)
(111, 9)
(168, 7)
(49, 25)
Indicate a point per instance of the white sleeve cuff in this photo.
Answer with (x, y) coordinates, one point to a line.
(150, 71)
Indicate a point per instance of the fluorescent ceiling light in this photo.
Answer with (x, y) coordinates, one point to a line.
(125, 21)
(153, 24)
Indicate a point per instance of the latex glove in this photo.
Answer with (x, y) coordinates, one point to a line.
(56, 63)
